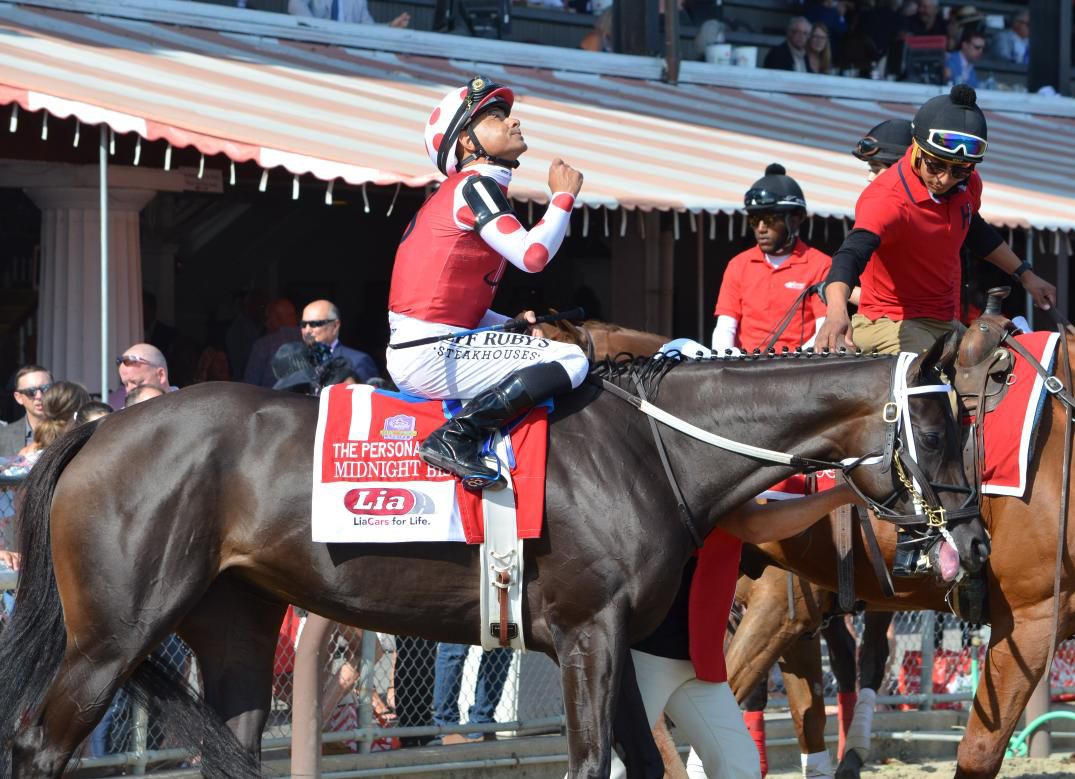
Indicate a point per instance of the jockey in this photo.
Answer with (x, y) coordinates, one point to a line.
(883, 146)
(913, 221)
(448, 266)
(765, 281)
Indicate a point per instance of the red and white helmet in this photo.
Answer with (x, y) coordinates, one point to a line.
(454, 115)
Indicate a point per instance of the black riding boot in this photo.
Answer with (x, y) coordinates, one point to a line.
(456, 446)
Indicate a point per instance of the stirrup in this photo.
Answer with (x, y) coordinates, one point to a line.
(495, 482)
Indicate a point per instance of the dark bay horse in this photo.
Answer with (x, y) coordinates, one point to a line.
(1020, 583)
(191, 513)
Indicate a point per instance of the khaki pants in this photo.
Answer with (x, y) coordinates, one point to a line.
(889, 336)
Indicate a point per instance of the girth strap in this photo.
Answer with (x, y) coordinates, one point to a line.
(845, 559)
(685, 515)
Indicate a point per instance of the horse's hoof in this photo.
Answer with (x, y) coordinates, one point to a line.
(850, 767)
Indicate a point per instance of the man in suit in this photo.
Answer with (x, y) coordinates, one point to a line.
(282, 327)
(31, 381)
(791, 54)
(353, 11)
(321, 324)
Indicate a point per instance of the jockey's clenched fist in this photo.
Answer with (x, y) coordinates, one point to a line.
(564, 178)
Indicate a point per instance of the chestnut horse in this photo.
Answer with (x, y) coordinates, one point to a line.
(191, 513)
(1020, 576)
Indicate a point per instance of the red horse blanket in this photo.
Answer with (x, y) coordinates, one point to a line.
(1009, 429)
(370, 485)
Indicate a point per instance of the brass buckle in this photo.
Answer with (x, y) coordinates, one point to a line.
(890, 414)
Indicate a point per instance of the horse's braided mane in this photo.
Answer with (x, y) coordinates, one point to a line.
(624, 368)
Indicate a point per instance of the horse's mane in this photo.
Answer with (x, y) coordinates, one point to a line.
(624, 369)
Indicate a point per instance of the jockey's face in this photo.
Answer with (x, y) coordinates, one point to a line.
(876, 169)
(771, 232)
(500, 135)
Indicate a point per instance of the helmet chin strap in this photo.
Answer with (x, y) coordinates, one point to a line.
(479, 152)
(793, 235)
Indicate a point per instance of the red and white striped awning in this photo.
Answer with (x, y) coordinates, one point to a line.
(356, 113)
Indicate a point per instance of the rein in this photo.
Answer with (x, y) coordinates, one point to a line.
(895, 414)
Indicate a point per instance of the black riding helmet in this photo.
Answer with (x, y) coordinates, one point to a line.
(776, 193)
(952, 127)
(885, 143)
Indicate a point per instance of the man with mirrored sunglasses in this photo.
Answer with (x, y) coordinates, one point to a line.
(31, 382)
(909, 226)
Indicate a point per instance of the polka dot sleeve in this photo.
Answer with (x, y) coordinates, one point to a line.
(531, 250)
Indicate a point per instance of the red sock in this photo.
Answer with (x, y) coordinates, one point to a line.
(845, 710)
(755, 722)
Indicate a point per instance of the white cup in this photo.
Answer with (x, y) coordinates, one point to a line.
(745, 56)
(719, 53)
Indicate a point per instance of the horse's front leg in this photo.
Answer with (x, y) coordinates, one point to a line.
(631, 729)
(1015, 662)
(591, 657)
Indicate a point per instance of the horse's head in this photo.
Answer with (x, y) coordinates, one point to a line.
(921, 479)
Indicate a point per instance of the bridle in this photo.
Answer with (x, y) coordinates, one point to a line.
(898, 452)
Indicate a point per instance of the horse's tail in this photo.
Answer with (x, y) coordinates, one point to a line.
(33, 643)
(189, 722)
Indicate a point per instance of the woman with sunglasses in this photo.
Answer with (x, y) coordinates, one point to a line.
(909, 226)
(762, 284)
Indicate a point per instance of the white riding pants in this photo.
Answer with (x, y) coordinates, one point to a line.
(462, 369)
(704, 712)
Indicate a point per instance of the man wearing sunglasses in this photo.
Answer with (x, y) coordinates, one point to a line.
(320, 324)
(912, 222)
(31, 381)
(761, 284)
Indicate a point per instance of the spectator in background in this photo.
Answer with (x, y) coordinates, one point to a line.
(791, 54)
(1013, 44)
(321, 325)
(95, 409)
(833, 14)
(927, 21)
(600, 37)
(139, 365)
(281, 326)
(353, 11)
(964, 18)
(489, 686)
(819, 50)
(245, 328)
(959, 65)
(31, 383)
(141, 394)
(59, 406)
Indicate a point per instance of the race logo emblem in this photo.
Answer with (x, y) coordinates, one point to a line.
(399, 428)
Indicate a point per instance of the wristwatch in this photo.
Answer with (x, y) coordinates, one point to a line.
(1024, 266)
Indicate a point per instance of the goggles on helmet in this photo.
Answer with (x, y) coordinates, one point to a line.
(761, 199)
(956, 142)
(868, 146)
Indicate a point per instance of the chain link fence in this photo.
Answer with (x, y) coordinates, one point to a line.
(382, 692)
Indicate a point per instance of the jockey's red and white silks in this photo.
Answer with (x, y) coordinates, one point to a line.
(444, 280)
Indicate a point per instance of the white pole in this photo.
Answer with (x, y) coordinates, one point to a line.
(103, 164)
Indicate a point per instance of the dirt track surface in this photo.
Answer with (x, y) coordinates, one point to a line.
(1014, 768)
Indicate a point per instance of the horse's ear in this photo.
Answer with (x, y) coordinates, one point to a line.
(938, 358)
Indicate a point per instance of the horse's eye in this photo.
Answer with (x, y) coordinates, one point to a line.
(931, 440)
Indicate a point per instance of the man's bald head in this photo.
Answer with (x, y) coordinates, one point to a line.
(143, 364)
(320, 322)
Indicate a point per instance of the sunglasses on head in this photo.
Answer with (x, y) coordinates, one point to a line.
(956, 142)
(29, 392)
(868, 146)
(937, 167)
(314, 322)
(133, 360)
